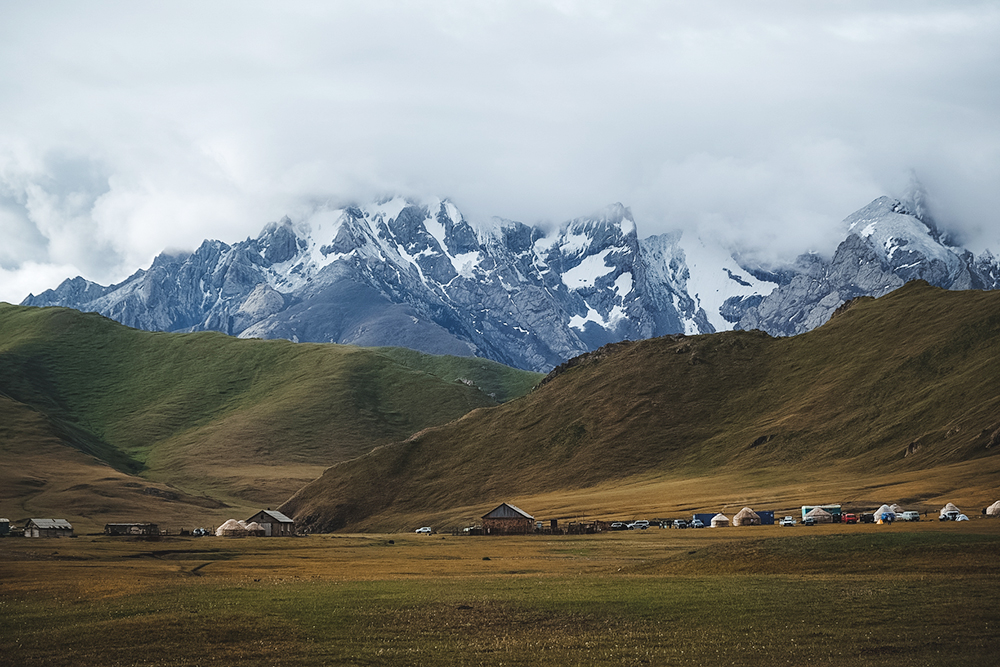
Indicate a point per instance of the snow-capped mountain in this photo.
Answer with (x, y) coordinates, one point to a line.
(889, 242)
(418, 275)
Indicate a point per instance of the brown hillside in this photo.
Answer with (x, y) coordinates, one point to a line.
(891, 393)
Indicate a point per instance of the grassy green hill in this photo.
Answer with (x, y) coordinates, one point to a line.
(894, 399)
(162, 423)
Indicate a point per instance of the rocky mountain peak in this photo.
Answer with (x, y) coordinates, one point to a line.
(417, 274)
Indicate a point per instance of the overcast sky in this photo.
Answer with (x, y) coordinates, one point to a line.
(128, 128)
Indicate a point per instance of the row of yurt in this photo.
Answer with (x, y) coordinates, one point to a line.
(994, 509)
(820, 515)
(234, 528)
(746, 517)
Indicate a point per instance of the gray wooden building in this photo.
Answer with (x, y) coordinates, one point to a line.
(274, 523)
(48, 528)
(508, 520)
(131, 529)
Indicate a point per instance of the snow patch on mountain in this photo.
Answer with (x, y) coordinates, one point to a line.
(716, 277)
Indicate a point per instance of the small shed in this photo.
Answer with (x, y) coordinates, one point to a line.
(746, 517)
(273, 523)
(994, 509)
(720, 520)
(820, 514)
(507, 519)
(131, 529)
(48, 528)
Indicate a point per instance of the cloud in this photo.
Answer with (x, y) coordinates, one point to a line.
(130, 128)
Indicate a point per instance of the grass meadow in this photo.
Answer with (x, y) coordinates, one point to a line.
(907, 594)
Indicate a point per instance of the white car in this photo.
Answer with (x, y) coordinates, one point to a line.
(787, 521)
(425, 529)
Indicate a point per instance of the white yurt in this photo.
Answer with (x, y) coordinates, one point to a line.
(897, 510)
(820, 514)
(720, 520)
(884, 512)
(947, 509)
(254, 529)
(746, 517)
(994, 509)
(231, 528)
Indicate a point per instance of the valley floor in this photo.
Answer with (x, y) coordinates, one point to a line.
(916, 594)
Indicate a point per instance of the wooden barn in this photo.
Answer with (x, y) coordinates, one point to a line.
(48, 528)
(131, 529)
(273, 523)
(508, 520)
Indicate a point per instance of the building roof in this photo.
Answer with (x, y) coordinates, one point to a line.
(274, 514)
(508, 511)
(51, 523)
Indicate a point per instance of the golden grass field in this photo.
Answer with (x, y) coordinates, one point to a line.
(907, 594)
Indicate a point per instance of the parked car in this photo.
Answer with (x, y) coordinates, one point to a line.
(949, 516)
(868, 518)
(787, 521)
(680, 523)
(619, 525)
(696, 523)
(910, 515)
(809, 521)
(849, 518)
(425, 530)
(641, 524)
(961, 517)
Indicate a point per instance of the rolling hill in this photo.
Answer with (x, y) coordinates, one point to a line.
(102, 422)
(894, 399)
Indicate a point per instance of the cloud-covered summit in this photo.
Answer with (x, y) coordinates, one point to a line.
(130, 128)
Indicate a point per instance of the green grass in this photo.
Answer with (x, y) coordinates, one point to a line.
(657, 597)
(212, 414)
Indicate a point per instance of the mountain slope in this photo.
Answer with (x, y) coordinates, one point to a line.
(209, 415)
(898, 385)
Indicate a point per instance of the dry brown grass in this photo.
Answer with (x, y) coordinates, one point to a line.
(921, 593)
